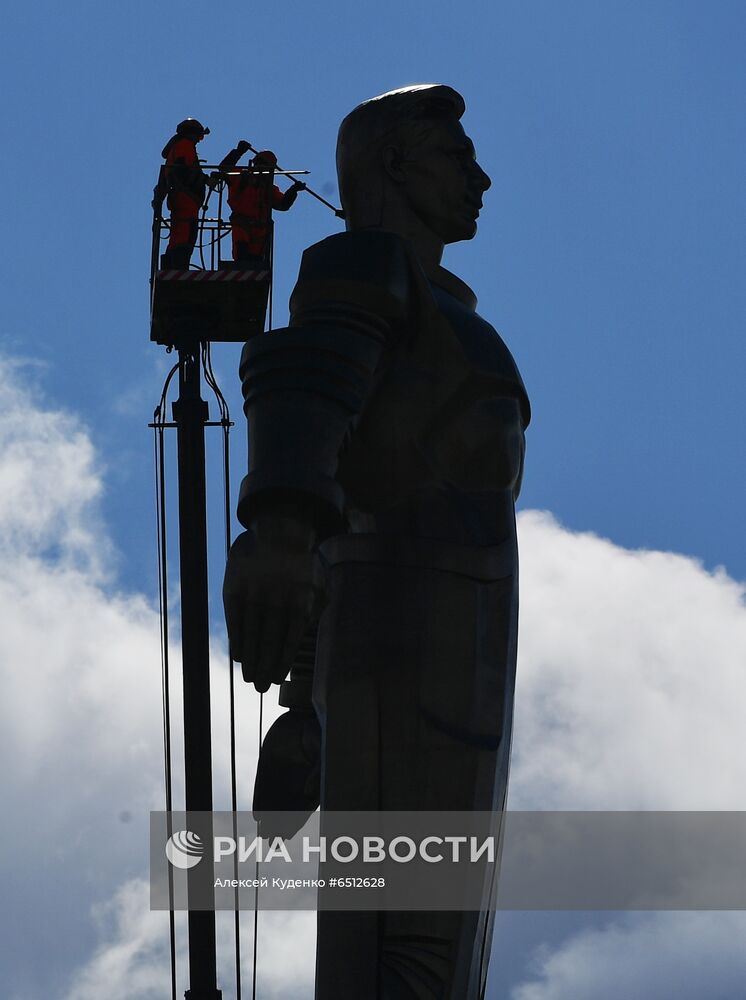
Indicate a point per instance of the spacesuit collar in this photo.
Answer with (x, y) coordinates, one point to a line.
(438, 275)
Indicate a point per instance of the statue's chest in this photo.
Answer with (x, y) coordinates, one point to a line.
(449, 408)
(485, 351)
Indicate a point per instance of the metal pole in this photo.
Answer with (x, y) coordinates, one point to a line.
(190, 414)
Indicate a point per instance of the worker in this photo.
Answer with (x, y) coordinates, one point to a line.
(252, 195)
(183, 184)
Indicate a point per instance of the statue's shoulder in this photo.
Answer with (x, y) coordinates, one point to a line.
(369, 269)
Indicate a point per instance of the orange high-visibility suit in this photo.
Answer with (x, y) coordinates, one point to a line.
(251, 197)
(186, 190)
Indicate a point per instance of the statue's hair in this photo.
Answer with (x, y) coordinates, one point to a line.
(397, 117)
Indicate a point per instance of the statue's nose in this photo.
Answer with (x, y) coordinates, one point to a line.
(482, 178)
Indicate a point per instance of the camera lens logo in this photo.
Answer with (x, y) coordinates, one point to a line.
(184, 849)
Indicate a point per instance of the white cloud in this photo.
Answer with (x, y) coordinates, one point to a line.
(631, 690)
(79, 669)
(132, 960)
(630, 695)
(48, 478)
(654, 957)
(80, 716)
(286, 956)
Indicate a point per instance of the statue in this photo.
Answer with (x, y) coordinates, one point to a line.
(386, 440)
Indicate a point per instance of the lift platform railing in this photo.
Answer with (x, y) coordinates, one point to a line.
(211, 252)
(208, 296)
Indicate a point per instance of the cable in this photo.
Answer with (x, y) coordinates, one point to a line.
(165, 695)
(201, 224)
(232, 697)
(261, 694)
(256, 869)
(220, 189)
(271, 269)
(160, 490)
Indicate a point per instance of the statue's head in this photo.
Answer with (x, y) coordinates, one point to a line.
(404, 161)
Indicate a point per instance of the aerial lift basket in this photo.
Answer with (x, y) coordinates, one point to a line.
(214, 299)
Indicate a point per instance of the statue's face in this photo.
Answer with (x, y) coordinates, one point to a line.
(444, 183)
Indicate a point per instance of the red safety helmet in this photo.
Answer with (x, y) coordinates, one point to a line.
(266, 156)
(190, 126)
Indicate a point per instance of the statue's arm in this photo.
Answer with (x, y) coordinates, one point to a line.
(303, 388)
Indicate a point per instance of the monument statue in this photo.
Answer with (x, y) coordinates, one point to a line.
(379, 564)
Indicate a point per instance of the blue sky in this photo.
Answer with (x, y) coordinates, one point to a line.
(610, 253)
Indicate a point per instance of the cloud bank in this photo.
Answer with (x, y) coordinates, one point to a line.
(631, 688)
(80, 721)
(684, 955)
(630, 695)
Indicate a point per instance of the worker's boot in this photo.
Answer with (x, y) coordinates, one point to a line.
(179, 257)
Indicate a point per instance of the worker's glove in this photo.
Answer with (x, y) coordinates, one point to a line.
(299, 186)
(243, 146)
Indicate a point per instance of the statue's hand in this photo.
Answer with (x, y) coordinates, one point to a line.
(273, 588)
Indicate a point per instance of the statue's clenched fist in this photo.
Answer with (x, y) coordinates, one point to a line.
(273, 588)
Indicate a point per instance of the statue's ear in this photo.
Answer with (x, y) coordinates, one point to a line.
(392, 159)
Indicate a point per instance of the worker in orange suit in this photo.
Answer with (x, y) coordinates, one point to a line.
(183, 183)
(251, 196)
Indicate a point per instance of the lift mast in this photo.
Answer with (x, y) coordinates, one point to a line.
(191, 307)
(190, 413)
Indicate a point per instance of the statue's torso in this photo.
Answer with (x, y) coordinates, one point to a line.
(460, 479)
(389, 407)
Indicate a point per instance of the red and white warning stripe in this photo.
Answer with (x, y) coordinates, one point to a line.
(227, 275)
